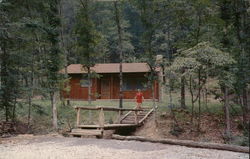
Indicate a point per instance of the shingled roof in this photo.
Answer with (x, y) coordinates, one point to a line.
(109, 68)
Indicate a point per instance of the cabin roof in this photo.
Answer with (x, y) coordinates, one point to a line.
(109, 68)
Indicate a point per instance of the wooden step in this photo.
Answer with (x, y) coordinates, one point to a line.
(106, 126)
(85, 132)
(128, 122)
(140, 115)
(143, 113)
(88, 126)
(133, 118)
(129, 118)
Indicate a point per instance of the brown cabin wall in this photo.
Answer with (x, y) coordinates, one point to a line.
(112, 87)
(78, 92)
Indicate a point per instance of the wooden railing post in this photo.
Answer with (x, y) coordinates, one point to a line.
(101, 118)
(119, 117)
(136, 117)
(78, 117)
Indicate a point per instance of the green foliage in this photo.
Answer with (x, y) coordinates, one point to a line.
(209, 56)
(105, 15)
(86, 35)
(202, 56)
(40, 37)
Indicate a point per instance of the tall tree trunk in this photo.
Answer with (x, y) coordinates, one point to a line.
(206, 99)
(89, 86)
(4, 77)
(246, 109)
(28, 100)
(31, 89)
(183, 94)
(192, 98)
(65, 51)
(14, 110)
(119, 29)
(29, 110)
(54, 110)
(89, 94)
(199, 100)
(121, 87)
(174, 120)
(240, 22)
(227, 114)
(154, 105)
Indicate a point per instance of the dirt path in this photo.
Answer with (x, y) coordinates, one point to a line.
(56, 147)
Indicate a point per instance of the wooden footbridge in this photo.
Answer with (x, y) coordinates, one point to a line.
(125, 118)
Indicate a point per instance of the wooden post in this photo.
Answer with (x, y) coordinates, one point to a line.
(136, 117)
(78, 117)
(111, 87)
(119, 117)
(101, 118)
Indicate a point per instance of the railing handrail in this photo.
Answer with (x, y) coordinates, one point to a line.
(109, 108)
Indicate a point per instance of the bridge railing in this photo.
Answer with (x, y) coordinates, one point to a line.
(101, 115)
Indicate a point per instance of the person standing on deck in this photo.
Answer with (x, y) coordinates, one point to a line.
(139, 99)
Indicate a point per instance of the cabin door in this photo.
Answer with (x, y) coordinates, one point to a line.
(105, 88)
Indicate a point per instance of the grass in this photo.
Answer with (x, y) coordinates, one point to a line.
(41, 110)
(213, 106)
(41, 113)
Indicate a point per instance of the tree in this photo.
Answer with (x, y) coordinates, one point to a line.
(54, 57)
(202, 60)
(241, 24)
(119, 30)
(149, 17)
(105, 22)
(87, 40)
(233, 33)
(9, 61)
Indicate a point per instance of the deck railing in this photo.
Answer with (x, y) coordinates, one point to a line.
(101, 119)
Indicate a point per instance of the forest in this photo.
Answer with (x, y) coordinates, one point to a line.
(205, 45)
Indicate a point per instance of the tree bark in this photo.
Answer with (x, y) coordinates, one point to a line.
(119, 29)
(192, 98)
(187, 143)
(4, 78)
(54, 110)
(14, 110)
(199, 100)
(183, 93)
(29, 109)
(63, 47)
(154, 105)
(89, 94)
(246, 109)
(227, 114)
(89, 86)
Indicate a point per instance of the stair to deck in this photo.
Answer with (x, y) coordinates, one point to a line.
(130, 118)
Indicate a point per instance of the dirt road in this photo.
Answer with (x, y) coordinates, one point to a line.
(56, 147)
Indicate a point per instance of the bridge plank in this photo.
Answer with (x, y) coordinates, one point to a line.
(84, 132)
(106, 126)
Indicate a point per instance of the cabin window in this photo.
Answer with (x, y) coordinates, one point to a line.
(132, 84)
(85, 83)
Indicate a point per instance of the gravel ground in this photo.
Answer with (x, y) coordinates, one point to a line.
(56, 147)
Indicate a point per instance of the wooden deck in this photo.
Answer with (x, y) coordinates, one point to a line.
(131, 119)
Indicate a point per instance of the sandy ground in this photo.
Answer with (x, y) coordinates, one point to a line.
(57, 147)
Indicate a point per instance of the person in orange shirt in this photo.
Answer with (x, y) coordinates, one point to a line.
(139, 99)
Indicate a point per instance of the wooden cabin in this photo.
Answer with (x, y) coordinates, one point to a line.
(106, 85)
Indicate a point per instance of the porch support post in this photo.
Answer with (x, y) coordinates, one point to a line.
(101, 118)
(111, 86)
(78, 117)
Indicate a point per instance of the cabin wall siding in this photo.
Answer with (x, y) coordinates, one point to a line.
(81, 93)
